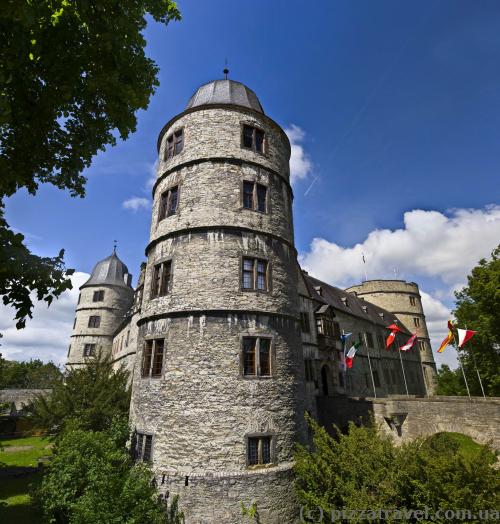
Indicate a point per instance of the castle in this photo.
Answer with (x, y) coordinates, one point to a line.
(229, 343)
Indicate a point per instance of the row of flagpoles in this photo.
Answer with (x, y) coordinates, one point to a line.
(463, 336)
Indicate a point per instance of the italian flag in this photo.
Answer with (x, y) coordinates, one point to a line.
(350, 354)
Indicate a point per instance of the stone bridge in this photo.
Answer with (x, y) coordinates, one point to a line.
(17, 399)
(406, 418)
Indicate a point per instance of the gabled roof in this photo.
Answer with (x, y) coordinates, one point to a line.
(349, 303)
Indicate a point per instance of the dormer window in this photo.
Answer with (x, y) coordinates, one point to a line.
(175, 144)
(345, 301)
(253, 138)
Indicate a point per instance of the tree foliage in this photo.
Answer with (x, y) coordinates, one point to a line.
(450, 382)
(88, 398)
(478, 308)
(73, 73)
(363, 469)
(92, 479)
(28, 375)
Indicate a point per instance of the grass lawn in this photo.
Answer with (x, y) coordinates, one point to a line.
(13, 453)
(468, 447)
(15, 501)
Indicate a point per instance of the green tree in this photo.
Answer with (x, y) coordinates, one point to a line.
(478, 308)
(92, 479)
(31, 375)
(363, 469)
(88, 398)
(73, 73)
(450, 381)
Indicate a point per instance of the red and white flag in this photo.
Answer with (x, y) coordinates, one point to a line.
(392, 336)
(464, 335)
(410, 343)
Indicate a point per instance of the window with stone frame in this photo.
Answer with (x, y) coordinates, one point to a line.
(89, 350)
(369, 340)
(253, 138)
(259, 450)
(305, 325)
(98, 296)
(422, 345)
(94, 321)
(310, 376)
(254, 196)
(168, 203)
(175, 144)
(256, 356)
(413, 301)
(153, 357)
(161, 279)
(69, 351)
(143, 447)
(328, 328)
(416, 321)
(254, 274)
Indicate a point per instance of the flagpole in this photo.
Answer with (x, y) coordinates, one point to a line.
(370, 366)
(477, 370)
(460, 364)
(403, 370)
(345, 365)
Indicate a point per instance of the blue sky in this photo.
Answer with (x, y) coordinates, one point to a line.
(393, 108)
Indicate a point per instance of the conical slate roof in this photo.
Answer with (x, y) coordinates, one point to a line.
(225, 92)
(111, 271)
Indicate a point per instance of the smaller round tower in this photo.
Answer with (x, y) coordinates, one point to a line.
(403, 299)
(103, 301)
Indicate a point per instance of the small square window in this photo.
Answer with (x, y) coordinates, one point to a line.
(143, 447)
(168, 203)
(259, 450)
(89, 350)
(94, 321)
(175, 144)
(161, 279)
(254, 274)
(153, 358)
(253, 138)
(98, 296)
(256, 357)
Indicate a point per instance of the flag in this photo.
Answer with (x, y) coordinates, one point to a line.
(464, 335)
(410, 343)
(345, 336)
(392, 336)
(350, 354)
(448, 339)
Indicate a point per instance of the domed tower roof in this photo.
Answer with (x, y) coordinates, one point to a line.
(110, 271)
(225, 92)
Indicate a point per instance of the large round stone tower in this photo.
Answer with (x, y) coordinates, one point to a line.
(404, 300)
(217, 390)
(103, 302)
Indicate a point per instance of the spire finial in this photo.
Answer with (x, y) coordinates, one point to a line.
(115, 243)
(226, 70)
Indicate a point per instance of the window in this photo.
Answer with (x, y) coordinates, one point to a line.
(416, 321)
(152, 358)
(345, 301)
(143, 447)
(253, 138)
(422, 345)
(74, 323)
(254, 196)
(69, 351)
(175, 143)
(127, 339)
(168, 203)
(254, 274)
(89, 350)
(162, 276)
(387, 376)
(258, 450)
(381, 341)
(79, 297)
(369, 340)
(328, 328)
(376, 378)
(413, 301)
(94, 322)
(309, 369)
(256, 357)
(98, 296)
(304, 322)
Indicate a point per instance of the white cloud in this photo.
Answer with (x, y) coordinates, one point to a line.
(47, 335)
(300, 163)
(433, 246)
(153, 175)
(136, 203)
